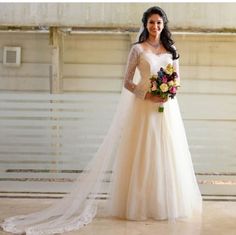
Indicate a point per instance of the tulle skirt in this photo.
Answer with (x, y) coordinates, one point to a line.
(153, 176)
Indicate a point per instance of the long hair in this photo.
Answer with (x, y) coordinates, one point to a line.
(165, 36)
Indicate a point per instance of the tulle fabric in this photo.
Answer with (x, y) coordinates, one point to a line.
(143, 165)
(157, 179)
(79, 207)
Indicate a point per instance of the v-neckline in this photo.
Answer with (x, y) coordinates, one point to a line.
(152, 53)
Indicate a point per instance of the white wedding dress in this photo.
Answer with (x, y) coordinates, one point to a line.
(143, 165)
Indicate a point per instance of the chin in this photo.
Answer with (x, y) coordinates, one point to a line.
(155, 34)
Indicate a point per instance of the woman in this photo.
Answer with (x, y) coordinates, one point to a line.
(157, 180)
(146, 151)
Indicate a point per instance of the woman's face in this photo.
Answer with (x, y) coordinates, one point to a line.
(155, 25)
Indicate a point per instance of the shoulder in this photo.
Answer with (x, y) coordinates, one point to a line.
(136, 48)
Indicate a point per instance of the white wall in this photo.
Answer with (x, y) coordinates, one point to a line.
(181, 15)
(95, 61)
(33, 73)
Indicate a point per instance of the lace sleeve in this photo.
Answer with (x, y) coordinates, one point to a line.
(176, 66)
(132, 63)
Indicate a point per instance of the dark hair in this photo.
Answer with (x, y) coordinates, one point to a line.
(165, 37)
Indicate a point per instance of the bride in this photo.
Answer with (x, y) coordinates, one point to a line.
(144, 156)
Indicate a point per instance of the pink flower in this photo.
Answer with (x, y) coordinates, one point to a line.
(154, 86)
(173, 90)
(164, 79)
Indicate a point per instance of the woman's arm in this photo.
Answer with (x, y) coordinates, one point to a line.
(132, 63)
(140, 92)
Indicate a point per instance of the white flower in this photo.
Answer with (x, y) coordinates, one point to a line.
(169, 69)
(171, 83)
(176, 82)
(164, 87)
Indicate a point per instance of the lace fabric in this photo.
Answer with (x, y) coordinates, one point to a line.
(133, 61)
(76, 223)
(147, 153)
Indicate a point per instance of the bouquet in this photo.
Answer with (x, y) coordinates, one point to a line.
(164, 84)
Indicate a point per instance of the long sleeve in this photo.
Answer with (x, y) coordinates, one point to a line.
(176, 66)
(132, 63)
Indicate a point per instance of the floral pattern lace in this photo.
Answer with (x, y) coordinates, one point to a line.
(133, 61)
(75, 223)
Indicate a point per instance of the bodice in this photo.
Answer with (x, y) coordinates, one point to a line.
(148, 64)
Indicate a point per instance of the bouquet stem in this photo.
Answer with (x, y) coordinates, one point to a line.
(161, 108)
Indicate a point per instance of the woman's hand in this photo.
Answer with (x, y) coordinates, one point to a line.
(155, 98)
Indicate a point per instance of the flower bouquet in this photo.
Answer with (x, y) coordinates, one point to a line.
(164, 84)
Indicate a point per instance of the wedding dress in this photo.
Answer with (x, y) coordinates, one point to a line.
(143, 165)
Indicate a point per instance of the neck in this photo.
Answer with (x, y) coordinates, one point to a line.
(154, 39)
(154, 43)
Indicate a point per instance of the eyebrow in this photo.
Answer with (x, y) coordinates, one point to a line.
(156, 21)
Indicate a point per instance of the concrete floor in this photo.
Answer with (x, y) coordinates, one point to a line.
(219, 218)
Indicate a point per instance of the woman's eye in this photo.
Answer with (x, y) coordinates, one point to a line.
(152, 22)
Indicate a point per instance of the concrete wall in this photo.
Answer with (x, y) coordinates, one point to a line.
(200, 16)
